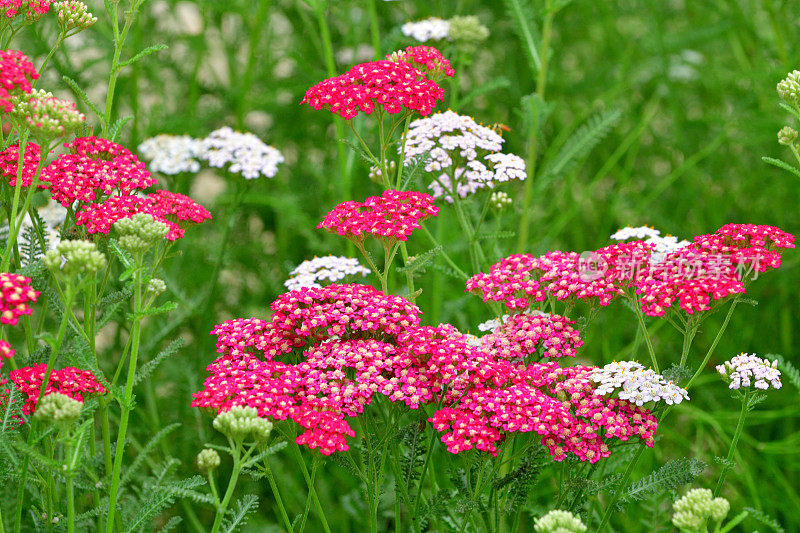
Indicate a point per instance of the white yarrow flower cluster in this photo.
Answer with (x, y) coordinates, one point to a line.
(663, 245)
(637, 384)
(461, 150)
(172, 154)
(246, 153)
(430, 29)
(329, 268)
(745, 370)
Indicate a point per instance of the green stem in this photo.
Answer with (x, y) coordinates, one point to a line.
(274, 486)
(119, 41)
(223, 506)
(618, 491)
(374, 30)
(734, 442)
(647, 340)
(298, 456)
(714, 344)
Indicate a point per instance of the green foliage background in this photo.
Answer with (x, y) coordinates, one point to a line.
(694, 82)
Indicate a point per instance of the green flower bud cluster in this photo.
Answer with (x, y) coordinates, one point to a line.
(140, 232)
(558, 521)
(73, 258)
(468, 30)
(207, 460)
(156, 286)
(500, 200)
(787, 136)
(242, 422)
(789, 88)
(58, 408)
(45, 115)
(696, 507)
(73, 15)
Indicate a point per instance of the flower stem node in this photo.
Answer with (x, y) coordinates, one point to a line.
(58, 408)
(242, 422)
(140, 232)
(692, 511)
(75, 258)
(207, 460)
(558, 521)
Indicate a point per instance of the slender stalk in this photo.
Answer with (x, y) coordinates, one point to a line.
(716, 341)
(119, 42)
(373, 28)
(618, 491)
(223, 506)
(647, 340)
(298, 456)
(734, 442)
(274, 486)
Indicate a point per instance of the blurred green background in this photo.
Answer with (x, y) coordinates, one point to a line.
(693, 80)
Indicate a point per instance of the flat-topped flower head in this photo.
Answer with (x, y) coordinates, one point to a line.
(57, 408)
(393, 86)
(748, 370)
(391, 217)
(172, 154)
(633, 382)
(427, 59)
(15, 295)
(429, 29)
(463, 156)
(639, 232)
(75, 258)
(243, 153)
(9, 163)
(692, 511)
(16, 74)
(326, 269)
(46, 116)
(29, 10)
(92, 169)
(524, 335)
(72, 382)
(177, 208)
(558, 521)
(73, 16)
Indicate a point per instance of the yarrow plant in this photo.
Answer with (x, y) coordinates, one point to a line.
(326, 269)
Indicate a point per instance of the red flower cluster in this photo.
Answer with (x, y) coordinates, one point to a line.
(173, 209)
(708, 269)
(425, 58)
(94, 168)
(16, 73)
(72, 382)
(6, 351)
(30, 9)
(390, 217)
(524, 335)
(9, 163)
(388, 84)
(557, 403)
(15, 295)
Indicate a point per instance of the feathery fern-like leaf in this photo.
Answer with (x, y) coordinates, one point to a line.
(670, 476)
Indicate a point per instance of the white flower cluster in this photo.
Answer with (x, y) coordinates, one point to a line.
(246, 153)
(172, 154)
(500, 200)
(636, 384)
(329, 268)
(463, 151)
(430, 29)
(748, 369)
(664, 245)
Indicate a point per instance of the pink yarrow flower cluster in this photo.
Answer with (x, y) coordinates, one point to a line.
(174, 209)
(70, 381)
(9, 163)
(394, 86)
(525, 335)
(32, 10)
(94, 168)
(16, 293)
(16, 74)
(6, 351)
(425, 58)
(391, 217)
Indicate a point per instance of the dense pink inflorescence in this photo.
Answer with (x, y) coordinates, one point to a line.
(30, 9)
(16, 294)
(393, 86)
(524, 335)
(709, 269)
(94, 168)
(9, 163)
(16, 73)
(6, 351)
(427, 59)
(390, 217)
(72, 382)
(174, 209)
(557, 403)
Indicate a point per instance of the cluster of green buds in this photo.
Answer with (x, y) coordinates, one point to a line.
(789, 88)
(500, 200)
(376, 174)
(467, 31)
(57, 408)
(207, 460)
(75, 258)
(242, 422)
(156, 287)
(558, 521)
(692, 512)
(73, 16)
(787, 136)
(46, 116)
(138, 233)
